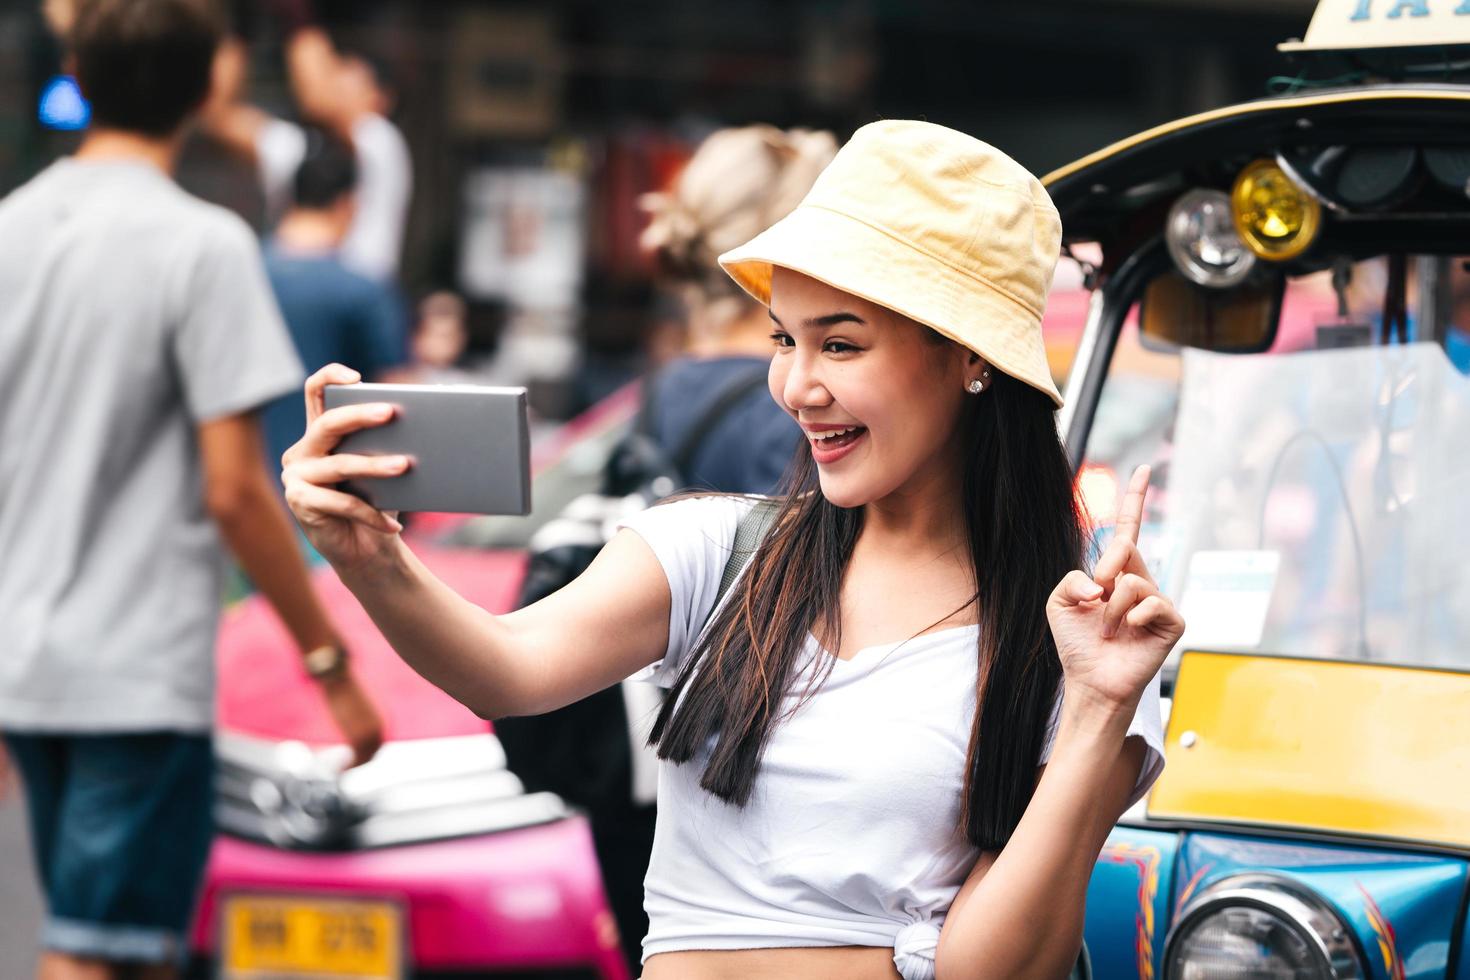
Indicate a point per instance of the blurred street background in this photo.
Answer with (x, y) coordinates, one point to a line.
(535, 128)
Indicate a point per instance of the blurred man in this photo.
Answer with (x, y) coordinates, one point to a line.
(333, 313)
(137, 335)
(344, 94)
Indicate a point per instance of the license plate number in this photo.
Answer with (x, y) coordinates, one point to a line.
(289, 938)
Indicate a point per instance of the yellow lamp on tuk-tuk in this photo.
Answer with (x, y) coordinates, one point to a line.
(1275, 217)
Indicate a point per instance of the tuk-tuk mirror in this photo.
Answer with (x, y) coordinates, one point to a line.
(1176, 313)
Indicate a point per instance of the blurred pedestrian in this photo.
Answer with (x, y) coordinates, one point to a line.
(137, 337)
(347, 94)
(738, 183)
(440, 337)
(333, 313)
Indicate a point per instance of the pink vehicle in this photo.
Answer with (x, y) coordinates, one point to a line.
(431, 861)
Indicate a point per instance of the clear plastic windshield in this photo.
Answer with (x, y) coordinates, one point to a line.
(1313, 500)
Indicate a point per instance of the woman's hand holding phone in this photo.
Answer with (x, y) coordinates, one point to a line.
(346, 530)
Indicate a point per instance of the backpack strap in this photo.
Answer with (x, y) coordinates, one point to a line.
(749, 534)
(730, 394)
(643, 421)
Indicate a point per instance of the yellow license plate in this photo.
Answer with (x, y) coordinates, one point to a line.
(280, 938)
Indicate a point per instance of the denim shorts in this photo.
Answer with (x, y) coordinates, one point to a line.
(120, 827)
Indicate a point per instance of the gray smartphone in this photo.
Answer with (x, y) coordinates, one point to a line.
(469, 444)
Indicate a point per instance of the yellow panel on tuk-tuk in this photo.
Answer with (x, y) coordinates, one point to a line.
(1352, 748)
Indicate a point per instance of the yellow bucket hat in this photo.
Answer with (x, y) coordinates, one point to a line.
(932, 224)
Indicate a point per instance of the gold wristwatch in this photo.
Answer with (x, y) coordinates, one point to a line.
(325, 662)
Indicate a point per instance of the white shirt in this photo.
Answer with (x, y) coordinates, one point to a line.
(851, 836)
(374, 242)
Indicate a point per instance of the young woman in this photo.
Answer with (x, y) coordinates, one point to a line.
(897, 745)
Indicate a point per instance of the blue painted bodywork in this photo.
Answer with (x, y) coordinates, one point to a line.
(1462, 959)
(1420, 897)
(1116, 923)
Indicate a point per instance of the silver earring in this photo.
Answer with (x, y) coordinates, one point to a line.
(975, 387)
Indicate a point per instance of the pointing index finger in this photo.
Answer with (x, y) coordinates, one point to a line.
(1130, 511)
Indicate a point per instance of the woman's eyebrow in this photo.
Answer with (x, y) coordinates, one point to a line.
(829, 320)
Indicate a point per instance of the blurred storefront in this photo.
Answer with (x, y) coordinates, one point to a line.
(535, 127)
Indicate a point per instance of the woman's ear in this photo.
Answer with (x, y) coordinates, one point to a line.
(976, 373)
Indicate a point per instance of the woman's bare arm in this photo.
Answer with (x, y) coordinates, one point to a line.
(611, 621)
(1020, 912)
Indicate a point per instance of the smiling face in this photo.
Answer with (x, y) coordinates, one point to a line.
(878, 395)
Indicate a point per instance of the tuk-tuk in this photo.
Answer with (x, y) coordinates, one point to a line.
(1280, 325)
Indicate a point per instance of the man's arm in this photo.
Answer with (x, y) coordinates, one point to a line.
(7, 776)
(225, 116)
(60, 16)
(315, 69)
(273, 146)
(239, 496)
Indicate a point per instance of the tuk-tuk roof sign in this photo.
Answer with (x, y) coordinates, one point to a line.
(1365, 24)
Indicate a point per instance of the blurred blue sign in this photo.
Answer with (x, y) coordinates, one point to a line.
(62, 105)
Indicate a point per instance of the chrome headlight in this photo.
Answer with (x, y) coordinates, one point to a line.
(1203, 241)
(1260, 927)
(301, 803)
(414, 791)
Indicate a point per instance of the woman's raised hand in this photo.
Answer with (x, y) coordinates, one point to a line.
(345, 529)
(1114, 630)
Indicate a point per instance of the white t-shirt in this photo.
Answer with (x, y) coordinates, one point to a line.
(851, 834)
(374, 242)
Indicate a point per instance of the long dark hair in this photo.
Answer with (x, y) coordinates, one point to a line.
(1026, 531)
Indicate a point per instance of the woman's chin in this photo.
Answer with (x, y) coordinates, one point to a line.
(843, 493)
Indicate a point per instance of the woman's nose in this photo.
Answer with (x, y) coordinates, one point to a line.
(800, 382)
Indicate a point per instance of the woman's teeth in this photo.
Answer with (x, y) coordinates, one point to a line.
(835, 441)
